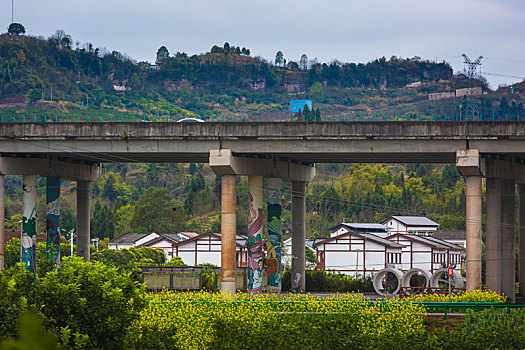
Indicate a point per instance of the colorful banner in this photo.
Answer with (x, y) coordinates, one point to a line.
(274, 242)
(28, 251)
(255, 242)
(53, 219)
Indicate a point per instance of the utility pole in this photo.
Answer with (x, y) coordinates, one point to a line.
(12, 11)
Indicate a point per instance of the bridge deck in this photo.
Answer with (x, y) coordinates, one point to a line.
(313, 142)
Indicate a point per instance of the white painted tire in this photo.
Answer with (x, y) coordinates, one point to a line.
(405, 282)
(378, 280)
(457, 280)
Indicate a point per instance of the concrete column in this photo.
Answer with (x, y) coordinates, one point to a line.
(493, 235)
(508, 236)
(53, 219)
(228, 234)
(28, 249)
(274, 243)
(2, 222)
(298, 236)
(83, 215)
(521, 233)
(473, 223)
(255, 234)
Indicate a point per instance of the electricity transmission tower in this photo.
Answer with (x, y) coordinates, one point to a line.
(472, 65)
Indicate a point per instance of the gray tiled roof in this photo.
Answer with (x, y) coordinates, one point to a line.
(414, 221)
(431, 242)
(452, 235)
(128, 238)
(362, 227)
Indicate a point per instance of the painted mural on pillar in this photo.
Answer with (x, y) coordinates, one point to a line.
(53, 219)
(274, 242)
(255, 261)
(28, 251)
(297, 283)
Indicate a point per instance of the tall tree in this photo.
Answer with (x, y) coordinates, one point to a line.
(303, 62)
(162, 53)
(279, 58)
(153, 210)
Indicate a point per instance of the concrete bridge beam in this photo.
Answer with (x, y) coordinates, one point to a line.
(223, 161)
(468, 164)
(49, 168)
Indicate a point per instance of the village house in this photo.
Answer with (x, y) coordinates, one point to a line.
(426, 252)
(357, 249)
(206, 249)
(414, 225)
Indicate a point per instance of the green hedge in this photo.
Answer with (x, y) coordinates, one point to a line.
(322, 281)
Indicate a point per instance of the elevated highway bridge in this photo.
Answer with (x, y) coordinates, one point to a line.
(314, 142)
(285, 151)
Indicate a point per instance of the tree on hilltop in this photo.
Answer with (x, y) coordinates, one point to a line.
(303, 62)
(279, 58)
(16, 29)
(162, 53)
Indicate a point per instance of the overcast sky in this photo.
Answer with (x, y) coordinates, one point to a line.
(346, 30)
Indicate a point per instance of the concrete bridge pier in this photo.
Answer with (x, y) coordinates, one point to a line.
(224, 163)
(275, 242)
(53, 219)
(502, 174)
(83, 219)
(508, 238)
(29, 198)
(228, 233)
(468, 164)
(493, 235)
(298, 236)
(53, 170)
(2, 222)
(521, 235)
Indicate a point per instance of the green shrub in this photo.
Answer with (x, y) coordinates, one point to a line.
(322, 281)
(17, 293)
(90, 299)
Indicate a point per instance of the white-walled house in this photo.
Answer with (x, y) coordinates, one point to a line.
(355, 251)
(131, 240)
(412, 225)
(427, 253)
(286, 252)
(206, 249)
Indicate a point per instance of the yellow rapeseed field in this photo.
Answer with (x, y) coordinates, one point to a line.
(188, 320)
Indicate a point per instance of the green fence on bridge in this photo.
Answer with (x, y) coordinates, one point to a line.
(245, 118)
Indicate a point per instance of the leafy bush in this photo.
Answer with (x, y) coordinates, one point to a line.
(89, 305)
(16, 296)
(129, 259)
(322, 281)
(90, 299)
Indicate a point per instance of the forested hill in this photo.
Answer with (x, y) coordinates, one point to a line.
(57, 75)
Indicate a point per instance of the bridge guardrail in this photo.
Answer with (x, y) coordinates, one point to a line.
(121, 118)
